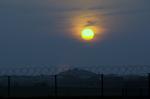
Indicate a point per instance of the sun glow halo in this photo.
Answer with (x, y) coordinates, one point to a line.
(87, 34)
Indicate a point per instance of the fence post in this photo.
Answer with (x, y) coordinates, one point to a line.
(149, 84)
(55, 80)
(8, 78)
(102, 85)
(124, 92)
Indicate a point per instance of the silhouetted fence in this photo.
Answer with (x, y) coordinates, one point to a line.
(101, 90)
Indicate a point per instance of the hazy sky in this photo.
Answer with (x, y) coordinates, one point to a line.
(43, 32)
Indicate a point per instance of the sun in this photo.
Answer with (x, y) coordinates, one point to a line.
(87, 34)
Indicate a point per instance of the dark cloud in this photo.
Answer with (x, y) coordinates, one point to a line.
(90, 23)
(126, 12)
(97, 8)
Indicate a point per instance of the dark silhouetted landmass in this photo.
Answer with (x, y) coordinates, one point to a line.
(74, 82)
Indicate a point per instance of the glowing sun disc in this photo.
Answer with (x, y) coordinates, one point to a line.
(87, 34)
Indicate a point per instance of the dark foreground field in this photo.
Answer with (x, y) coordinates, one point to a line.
(79, 97)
